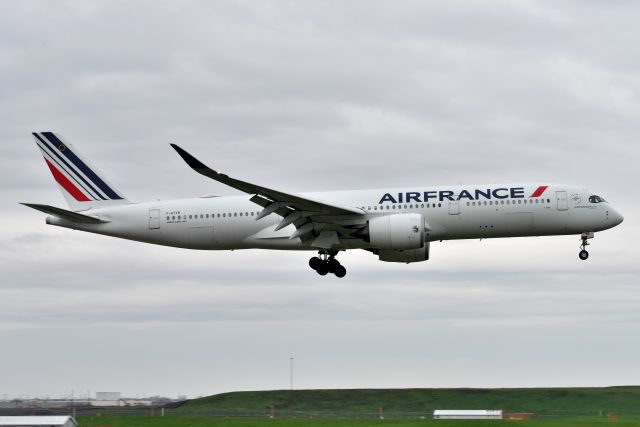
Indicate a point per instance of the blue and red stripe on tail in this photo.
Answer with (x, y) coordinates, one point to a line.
(82, 185)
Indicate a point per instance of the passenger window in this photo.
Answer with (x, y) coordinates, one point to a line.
(251, 213)
(422, 205)
(439, 205)
(235, 214)
(519, 201)
(468, 203)
(173, 218)
(167, 218)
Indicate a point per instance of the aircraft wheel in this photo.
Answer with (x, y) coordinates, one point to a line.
(583, 255)
(323, 269)
(333, 265)
(315, 262)
(340, 271)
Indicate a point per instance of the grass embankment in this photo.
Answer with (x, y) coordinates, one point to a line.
(225, 422)
(541, 401)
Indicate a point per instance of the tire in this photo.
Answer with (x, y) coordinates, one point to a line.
(323, 269)
(583, 255)
(315, 262)
(340, 272)
(334, 265)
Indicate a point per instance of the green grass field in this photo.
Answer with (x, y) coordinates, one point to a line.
(552, 407)
(541, 401)
(225, 422)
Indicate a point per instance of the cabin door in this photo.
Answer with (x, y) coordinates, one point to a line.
(154, 219)
(561, 198)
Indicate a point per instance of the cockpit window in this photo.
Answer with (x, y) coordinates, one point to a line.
(596, 199)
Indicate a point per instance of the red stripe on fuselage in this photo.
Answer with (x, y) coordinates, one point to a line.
(539, 191)
(66, 184)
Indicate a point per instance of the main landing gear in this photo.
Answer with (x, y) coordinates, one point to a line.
(326, 262)
(583, 255)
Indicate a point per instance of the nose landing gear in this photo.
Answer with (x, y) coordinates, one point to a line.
(583, 254)
(326, 262)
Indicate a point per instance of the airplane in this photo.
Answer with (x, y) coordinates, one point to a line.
(397, 225)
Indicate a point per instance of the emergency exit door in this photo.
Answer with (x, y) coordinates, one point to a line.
(454, 206)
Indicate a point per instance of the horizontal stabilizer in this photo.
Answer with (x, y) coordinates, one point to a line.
(65, 214)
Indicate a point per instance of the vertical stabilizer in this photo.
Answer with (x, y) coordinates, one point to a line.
(82, 185)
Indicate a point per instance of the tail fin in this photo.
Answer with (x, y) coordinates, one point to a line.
(82, 185)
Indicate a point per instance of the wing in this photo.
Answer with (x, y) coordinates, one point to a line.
(321, 222)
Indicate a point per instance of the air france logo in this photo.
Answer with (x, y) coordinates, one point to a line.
(476, 194)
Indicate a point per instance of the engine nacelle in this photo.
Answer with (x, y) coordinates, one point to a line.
(407, 256)
(397, 232)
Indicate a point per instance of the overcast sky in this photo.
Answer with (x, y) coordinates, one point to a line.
(306, 96)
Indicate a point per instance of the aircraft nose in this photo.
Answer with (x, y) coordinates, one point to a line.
(616, 217)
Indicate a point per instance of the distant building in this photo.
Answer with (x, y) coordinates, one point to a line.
(467, 414)
(108, 395)
(38, 421)
(121, 402)
(114, 398)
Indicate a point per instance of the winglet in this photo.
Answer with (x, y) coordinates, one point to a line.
(189, 159)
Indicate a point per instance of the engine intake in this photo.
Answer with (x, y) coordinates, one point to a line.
(397, 232)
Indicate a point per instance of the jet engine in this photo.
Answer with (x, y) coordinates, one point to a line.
(397, 232)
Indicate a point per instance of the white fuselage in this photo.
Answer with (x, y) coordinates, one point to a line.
(452, 212)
